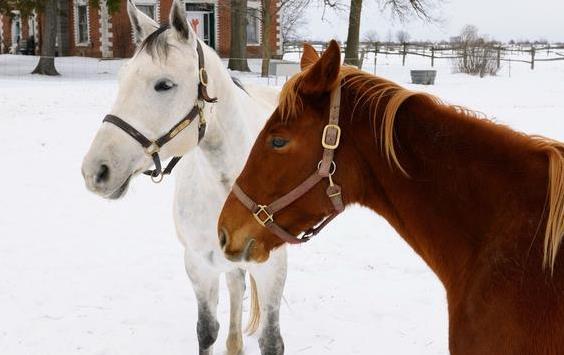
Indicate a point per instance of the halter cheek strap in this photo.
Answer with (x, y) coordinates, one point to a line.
(152, 148)
(264, 214)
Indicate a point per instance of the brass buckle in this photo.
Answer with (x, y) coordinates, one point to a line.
(203, 77)
(324, 137)
(152, 149)
(257, 215)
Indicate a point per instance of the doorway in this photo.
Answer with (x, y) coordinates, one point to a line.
(201, 16)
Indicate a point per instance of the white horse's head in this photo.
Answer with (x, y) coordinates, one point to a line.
(157, 88)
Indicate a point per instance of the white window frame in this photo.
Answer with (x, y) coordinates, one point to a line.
(154, 4)
(256, 6)
(86, 43)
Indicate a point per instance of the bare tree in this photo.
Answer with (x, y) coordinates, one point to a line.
(238, 46)
(404, 8)
(468, 35)
(399, 8)
(353, 34)
(46, 64)
(402, 36)
(268, 11)
(371, 36)
(293, 16)
(478, 55)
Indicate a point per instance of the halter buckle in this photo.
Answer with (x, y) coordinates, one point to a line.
(203, 77)
(152, 149)
(257, 215)
(326, 130)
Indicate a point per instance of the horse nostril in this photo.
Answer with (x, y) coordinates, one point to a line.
(222, 238)
(103, 174)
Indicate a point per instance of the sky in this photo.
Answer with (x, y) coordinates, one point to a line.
(500, 19)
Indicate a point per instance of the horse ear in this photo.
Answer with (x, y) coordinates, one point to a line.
(178, 21)
(309, 56)
(322, 76)
(141, 24)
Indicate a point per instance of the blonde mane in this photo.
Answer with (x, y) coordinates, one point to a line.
(377, 91)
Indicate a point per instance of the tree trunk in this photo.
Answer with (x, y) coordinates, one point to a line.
(353, 36)
(238, 51)
(265, 34)
(46, 65)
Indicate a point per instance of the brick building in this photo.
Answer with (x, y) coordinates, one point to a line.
(84, 30)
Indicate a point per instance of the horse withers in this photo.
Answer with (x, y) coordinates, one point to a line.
(177, 100)
(481, 204)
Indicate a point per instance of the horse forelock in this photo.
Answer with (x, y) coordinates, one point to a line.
(156, 44)
(290, 103)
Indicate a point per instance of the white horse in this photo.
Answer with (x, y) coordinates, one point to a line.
(157, 88)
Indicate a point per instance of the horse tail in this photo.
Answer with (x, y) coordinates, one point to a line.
(555, 199)
(254, 317)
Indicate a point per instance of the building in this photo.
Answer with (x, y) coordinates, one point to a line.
(84, 30)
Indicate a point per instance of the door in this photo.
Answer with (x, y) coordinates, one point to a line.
(201, 16)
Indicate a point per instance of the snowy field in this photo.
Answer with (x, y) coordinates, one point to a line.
(81, 275)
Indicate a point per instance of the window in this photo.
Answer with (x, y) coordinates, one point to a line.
(148, 10)
(82, 35)
(253, 36)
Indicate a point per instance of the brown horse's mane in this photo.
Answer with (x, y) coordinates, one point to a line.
(375, 91)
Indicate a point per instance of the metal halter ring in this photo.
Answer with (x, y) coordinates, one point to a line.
(331, 170)
(157, 179)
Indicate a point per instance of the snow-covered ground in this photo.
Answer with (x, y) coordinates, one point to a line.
(81, 275)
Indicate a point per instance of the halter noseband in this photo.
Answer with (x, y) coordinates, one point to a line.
(264, 214)
(152, 147)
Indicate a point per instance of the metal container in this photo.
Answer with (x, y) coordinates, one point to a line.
(423, 77)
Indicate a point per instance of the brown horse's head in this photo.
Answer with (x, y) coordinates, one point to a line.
(285, 153)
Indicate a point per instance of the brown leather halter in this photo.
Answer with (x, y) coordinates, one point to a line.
(152, 147)
(264, 214)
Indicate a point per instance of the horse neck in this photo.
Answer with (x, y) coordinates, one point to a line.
(228, 135)
(462, 190)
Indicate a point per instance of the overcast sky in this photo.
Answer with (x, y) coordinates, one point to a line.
(501, 19)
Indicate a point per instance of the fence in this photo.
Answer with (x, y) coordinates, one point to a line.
(445, 51)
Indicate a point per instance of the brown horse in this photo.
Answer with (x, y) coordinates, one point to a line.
(482, 205)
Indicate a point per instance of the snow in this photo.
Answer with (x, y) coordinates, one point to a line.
(81, 275)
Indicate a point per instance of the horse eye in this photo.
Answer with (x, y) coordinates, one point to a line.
(278, 142)
(164, 85)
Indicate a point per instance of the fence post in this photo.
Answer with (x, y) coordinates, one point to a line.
(532, 58)
(361, 61)
(375, 56)
(404, 54)
(432, 57)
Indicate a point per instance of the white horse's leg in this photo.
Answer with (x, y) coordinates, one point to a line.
(205, 281)
(236, 284)
(270, 278)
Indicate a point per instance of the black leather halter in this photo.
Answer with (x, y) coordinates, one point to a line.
(152, 147)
